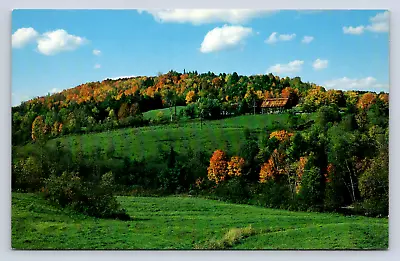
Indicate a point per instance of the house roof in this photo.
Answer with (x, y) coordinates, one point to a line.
(274, 102)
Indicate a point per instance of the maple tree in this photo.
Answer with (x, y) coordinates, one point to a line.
(273, 167)
(217, 170)
(366, 100)
(235, 166)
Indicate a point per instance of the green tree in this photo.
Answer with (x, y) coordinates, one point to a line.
(342, 150)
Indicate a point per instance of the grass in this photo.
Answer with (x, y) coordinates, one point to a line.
(152, 115)
(226, 134)
(190, 223)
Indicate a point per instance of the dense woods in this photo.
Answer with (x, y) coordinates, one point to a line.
(335, 159)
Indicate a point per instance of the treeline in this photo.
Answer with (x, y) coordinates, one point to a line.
(336, 160)
(110, 104)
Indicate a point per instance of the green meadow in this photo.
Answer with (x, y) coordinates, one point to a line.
(226, 134)
(181, 222)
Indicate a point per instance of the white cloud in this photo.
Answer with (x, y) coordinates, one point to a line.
(378, 24)
(320, 64)
(97, 66)
(291, 67)
(353, 30)
(224, 37)
(204, 16)
(53, 42)
(275, 37)
(23, 36)
(307, 39)
(286, 37)
(96, 52)
(272, 38)
(362, 84)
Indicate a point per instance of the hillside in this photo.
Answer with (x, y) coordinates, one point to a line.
(227, 134)
(188, 223)
(133, 102)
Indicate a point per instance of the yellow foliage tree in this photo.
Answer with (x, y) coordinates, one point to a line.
(39, 128)
(190, 97)
(281, 135)
(235, 166)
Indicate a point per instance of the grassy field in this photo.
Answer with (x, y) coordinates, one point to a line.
(226, 134)
(152, 115)
(190, 223)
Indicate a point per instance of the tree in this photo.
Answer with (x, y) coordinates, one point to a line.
(327, 114)
(134, 109)
(190, 111)
(235, 166)
(251, 98)
(311, 191)
(281, 135)
(335, 97)
(315, 98)
(217, 171)
(374, 185)
(273, 168)
(39, 129)
(342, 148)
(351, 98)
(170, 100)
(367, 100)
(234, 78)
(190, 96)
(123, 111)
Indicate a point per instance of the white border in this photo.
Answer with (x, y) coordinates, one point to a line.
(5, 138)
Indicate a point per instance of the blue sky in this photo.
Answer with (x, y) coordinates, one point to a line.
(57, 49)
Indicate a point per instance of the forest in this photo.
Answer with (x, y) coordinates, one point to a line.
(329, 154)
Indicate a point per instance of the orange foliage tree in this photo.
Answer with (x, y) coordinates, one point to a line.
(217, 170)
(367, 100)
(384, 97)
(273, 168)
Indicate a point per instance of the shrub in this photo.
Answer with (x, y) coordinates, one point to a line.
(27, 174)
(272, 194)
(190, 111)
(234, 190)
(68, 190)
(169, 179)
(327, 114)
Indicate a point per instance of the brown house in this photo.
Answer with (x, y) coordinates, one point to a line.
(274, 105)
